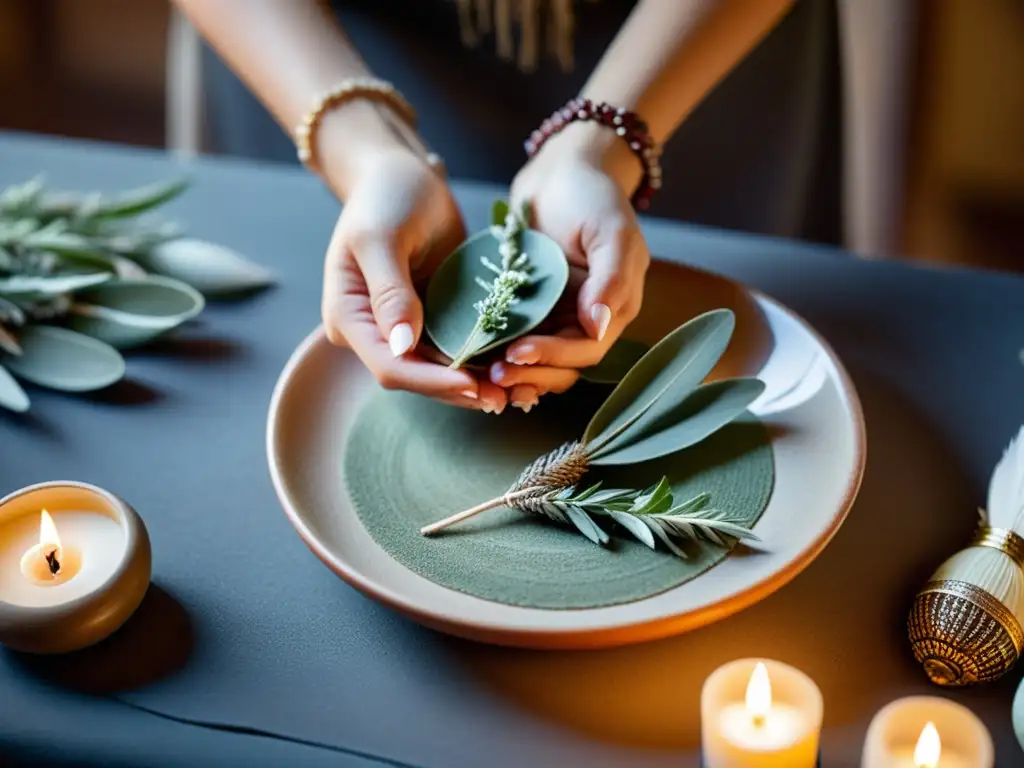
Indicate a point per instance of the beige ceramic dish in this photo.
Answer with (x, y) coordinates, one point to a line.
(818, 443)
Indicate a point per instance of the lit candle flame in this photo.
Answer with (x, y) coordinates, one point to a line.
(759, 694)
(929, 747)
(48, 538)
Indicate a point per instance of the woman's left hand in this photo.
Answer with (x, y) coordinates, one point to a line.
(575, 188)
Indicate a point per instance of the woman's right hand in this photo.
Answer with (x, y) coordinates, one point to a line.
(398, 222)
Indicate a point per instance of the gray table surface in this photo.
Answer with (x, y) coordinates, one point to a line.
(249, 652)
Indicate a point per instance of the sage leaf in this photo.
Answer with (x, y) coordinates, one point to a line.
(12, 396)
(54, 237)
(677, 423)
(498, 213)
(21, 196)
(139, 200)
(635, 526)
(61, 359)
(616, 363)
(15, 230)
(654, 500)
(50, 285)
(666, 539)
(129, 313)
(121, 266)
(585, 525)
(211, 269)
(680, 362)
(8, 343)
(10, 312)
(450, 317)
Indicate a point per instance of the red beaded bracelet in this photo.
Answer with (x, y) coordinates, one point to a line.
(626, 124)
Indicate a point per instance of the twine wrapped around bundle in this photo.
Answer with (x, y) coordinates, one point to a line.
(966, 623)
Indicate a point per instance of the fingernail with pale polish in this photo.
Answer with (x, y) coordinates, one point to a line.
(601, 314)
(486, 407)
(401, 339)
(471, 394)
(497, 373)
(524, 354)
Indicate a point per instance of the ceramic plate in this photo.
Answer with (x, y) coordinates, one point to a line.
(809, 404)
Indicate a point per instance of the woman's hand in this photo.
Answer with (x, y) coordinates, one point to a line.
(575, 186)
(398, 222)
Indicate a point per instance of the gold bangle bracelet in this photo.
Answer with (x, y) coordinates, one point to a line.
(348, 89)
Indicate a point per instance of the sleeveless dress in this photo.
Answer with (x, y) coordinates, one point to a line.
(760, 154)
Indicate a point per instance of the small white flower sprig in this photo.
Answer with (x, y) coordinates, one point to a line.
(509, 277)
(512, 275)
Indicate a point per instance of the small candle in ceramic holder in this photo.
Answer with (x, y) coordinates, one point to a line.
(759, 713)
(927, 732)
(74, 565)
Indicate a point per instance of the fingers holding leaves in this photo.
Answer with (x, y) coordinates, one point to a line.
(358, 316)
(610, 297)
(544, 379)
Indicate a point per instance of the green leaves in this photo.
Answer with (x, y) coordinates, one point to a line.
(140, 200)
(672, 425)
(672, 368)
(12, 396)
(657, 409)
(616, 363)
(452, 320)
(64, 360)
(209, 268)
(49, 285)
(128, 313)
(115, 281)
(498, 213)
(649, 516)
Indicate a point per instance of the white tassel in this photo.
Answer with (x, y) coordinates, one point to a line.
(1006, 489)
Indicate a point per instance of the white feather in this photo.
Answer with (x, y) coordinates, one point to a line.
(1006, 489)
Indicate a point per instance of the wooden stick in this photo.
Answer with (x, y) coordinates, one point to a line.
(498, 501)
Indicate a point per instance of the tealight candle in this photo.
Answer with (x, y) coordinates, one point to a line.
(927, 732)
(758, 713)
(74, 565)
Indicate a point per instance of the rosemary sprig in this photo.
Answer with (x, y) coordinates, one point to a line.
(647, 515)
(511, 275)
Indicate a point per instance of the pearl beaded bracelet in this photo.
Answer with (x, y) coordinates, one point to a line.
(351, 88)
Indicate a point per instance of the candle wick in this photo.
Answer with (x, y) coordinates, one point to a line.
(52, 563)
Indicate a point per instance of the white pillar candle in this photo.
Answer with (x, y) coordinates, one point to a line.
(927, 732)
(759, 713)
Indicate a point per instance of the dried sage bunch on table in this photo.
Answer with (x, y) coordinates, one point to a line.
(83, 276)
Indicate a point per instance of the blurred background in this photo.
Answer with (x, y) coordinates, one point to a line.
(98, 69)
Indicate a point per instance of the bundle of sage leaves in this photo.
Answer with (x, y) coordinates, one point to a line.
(84, 276)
